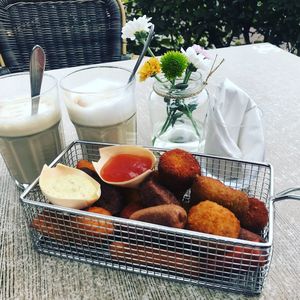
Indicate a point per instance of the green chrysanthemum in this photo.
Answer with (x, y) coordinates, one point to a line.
(173, 64)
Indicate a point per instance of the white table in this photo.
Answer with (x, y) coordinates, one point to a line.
(272, 78)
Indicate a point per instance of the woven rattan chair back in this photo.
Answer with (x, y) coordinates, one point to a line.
(72, 32)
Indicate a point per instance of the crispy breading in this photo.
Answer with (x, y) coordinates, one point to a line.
(85, 164)
(210, 217)
(207, 188)
(177, 169)
(111, 198)
(130, 208)
(93, 226)
(257, 216)
(53, 224)
(171, 215)
(247, 258)
(169, 259)
(152, 193)
(250, 236)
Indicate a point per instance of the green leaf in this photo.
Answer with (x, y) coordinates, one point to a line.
(175, 117)
(192, 107)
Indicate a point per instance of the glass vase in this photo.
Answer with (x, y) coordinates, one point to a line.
(178, 113)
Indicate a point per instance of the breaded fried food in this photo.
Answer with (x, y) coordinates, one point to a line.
(247, 258)
(257, 216)
(111, 198)
(85, 164)
(152, 193)
(169, 259)
(210, 217)
(130, 195)
(88, 168)
(177, 169)
(167, 215)
(93, 226)
(207, 188)
(250, 236)
(52, 224)
(130, 208)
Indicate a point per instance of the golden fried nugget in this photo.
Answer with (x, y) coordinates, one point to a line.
(247, 257)
(250, 236)
(93, 226)
(207, 188)
(130, 208)
(152, 193)
(132, 253)
(130, 195)
(85, 164)
(52, 224)
(210, 217)
(111, 198)
(177, 169)
(166, 214)
(257, 216)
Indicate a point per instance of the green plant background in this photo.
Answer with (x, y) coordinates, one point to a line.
(219, 23)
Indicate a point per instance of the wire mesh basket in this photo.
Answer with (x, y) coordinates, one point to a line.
(144, 248)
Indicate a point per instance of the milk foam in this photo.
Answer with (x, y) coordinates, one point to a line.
(105, 103)
(16, 119)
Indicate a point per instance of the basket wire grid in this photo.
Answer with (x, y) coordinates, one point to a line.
(144, 248)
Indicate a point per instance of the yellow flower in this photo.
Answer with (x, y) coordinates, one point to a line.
(149, 69)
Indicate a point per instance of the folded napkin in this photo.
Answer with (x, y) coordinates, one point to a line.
(234, 125)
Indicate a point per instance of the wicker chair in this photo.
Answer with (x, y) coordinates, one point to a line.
(72, 32)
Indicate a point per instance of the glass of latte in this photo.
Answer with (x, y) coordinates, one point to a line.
(101, 104)
(28, 141)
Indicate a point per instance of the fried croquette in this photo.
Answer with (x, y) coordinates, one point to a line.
(207, 188)
(93, 226)
(111, 198)
(130, 208)
(162, 258)
(85, 164)
(152, 193)
(250, 236)
(167, 215)
(130, 195)
(210, 217)
(52, 224)
(257, 216)
(177, 169)
(247, 257)
(87, 167)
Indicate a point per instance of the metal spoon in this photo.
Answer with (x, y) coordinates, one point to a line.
(146, 45)
(36, 70)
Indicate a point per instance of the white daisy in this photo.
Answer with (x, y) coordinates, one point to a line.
(137, 25)
(199, 61)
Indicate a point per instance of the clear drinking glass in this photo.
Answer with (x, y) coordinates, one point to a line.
(101, 104)
(27, 142)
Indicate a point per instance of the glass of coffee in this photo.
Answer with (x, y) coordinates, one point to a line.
(27, 141)
(101, 104)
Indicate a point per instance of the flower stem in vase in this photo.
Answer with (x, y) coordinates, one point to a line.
(189, 114)
(168, 121)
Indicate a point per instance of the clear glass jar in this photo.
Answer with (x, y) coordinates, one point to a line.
(178, 113)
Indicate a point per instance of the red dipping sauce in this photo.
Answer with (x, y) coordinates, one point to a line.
(123, 167)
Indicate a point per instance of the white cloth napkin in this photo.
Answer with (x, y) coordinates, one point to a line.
(234, 125)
